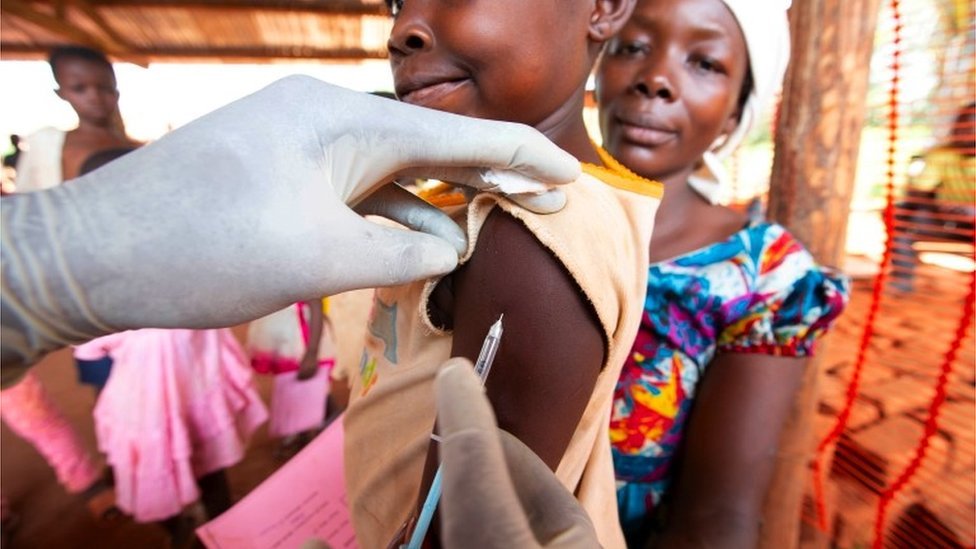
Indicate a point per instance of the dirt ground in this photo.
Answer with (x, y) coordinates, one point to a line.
(913, 333)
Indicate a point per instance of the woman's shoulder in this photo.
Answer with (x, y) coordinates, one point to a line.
(784, 265)
(792, 300)
(766, 252)
(771, 243)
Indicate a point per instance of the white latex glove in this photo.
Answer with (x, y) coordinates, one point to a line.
(244, 211)
(496, 491)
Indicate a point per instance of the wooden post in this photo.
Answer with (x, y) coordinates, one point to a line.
(818, 134)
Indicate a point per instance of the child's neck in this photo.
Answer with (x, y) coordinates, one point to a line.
(566, 129)
(581, 146)
(101, 126)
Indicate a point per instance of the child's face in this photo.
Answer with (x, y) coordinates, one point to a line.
(88, 87)
(669, 83)
(515, 60)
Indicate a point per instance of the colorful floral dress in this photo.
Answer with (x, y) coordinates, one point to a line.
(759, 291)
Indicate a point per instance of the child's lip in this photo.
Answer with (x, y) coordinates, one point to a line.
(424, 90)
(412, 86)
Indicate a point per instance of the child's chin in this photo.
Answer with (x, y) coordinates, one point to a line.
(451, 103)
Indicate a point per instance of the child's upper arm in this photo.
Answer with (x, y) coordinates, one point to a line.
(553, 347)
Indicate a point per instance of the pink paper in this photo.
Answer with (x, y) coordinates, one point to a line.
(303, 499)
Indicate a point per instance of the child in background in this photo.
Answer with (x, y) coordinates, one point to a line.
(296, 346)
(733, 306)
(86, 81)
(569, 284)
(178, 409)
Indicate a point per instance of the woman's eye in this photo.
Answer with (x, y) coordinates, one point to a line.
(707, 64)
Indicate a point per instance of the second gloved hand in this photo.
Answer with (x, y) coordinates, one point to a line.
(496, 492)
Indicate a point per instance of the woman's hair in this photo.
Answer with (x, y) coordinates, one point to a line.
(744, 91)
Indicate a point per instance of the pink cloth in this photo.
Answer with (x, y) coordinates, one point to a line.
(179, 404)
(95, 349)
(28, 410)
(277, 344)
(298, 406)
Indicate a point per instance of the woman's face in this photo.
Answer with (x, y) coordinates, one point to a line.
(513, 60)
(669, 85)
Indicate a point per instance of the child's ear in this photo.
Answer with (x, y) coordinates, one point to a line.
(608, 17)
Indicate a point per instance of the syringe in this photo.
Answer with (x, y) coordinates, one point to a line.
(488, 349)
(481, 367)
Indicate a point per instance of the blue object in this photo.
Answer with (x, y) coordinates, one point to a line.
(427, 512)
(94, 372)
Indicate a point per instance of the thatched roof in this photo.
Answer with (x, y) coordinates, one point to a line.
(142, 31)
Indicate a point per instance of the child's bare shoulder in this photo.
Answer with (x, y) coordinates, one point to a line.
(513, 265)
(512, 272)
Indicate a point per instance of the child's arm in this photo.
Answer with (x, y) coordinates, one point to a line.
(730, 451)
(310, 362)
(553, 347)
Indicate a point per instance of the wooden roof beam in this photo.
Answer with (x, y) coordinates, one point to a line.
(264, 52)
(337, 7)
(235, 54)
(59, 27)
(91, 13)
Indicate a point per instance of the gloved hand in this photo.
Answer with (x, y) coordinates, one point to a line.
(244, 211)
(496, 492)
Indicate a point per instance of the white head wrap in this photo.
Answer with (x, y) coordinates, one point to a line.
(767, 34)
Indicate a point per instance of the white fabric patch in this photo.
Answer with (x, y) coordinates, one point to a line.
(509, 182)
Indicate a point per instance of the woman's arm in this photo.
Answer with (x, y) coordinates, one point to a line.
(730, 449)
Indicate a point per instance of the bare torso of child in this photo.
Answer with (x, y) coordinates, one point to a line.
(81, 143)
